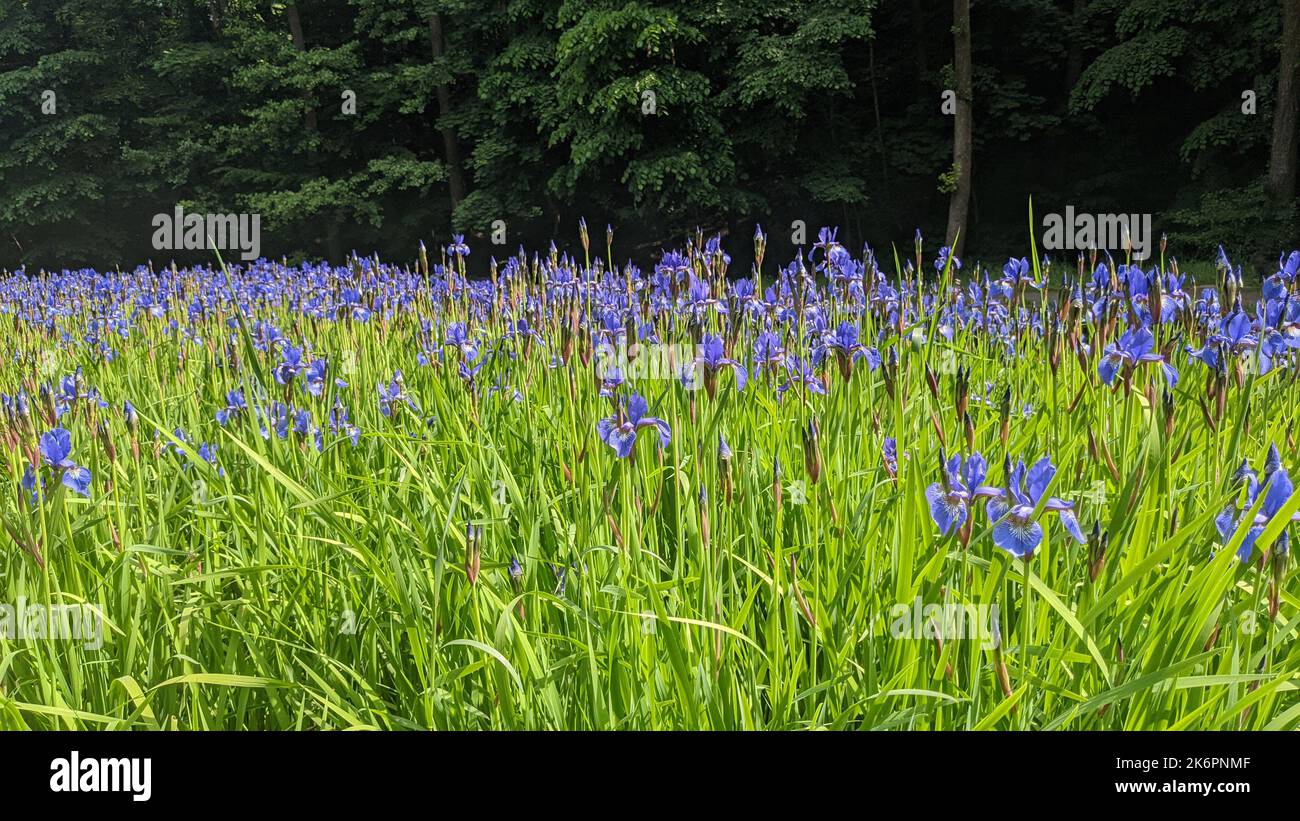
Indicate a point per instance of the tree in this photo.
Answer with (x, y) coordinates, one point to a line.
(962, 150)
(451, 147)
(1281, 185)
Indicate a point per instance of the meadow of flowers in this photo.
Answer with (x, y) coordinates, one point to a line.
(570, 494)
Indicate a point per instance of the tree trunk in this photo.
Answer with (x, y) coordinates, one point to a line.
(880, 129)
(1282, 155)
(451, 149)
(299, 45)
(333, 242)
(959, 206)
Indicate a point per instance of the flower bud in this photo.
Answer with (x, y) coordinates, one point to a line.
(724, 468)
(473, 551)
(1098, 541)
(516, 574)
(776, 482)
(106, 439)
(812, 451)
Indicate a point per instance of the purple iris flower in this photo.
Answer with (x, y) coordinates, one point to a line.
(962, 483)
(235, 405)
(1134, 347)
(942, 260)
(290, 365)
(392, 394)
(468, 369)
(801, 371)
(30, 481)
(1277, 488)
(1015, 272)
(768, 350)
(889, 455)
(620, 430)
(339, 423)
(316, 377)
(1237, 333)
(458, 335)
(1280, 332)
(698, 300)
(1209, 355)
(847, 349)
(208, 453)
(56, 450)
(56, 447)
(1012, 511)
(1278, 285)
(712, 356)
(611, 378)
(351, 301)
(826, 239)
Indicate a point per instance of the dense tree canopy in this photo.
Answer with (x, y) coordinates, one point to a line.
(373, 124)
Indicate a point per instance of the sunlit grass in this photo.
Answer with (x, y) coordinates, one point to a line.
(299, 589)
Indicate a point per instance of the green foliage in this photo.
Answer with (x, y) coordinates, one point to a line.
(1258, 228)
(655, 116)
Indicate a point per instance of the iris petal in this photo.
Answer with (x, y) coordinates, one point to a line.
(1020, 539)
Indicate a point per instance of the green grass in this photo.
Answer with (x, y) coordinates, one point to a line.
(305, 590)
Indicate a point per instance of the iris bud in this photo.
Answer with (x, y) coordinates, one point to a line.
(724, 468)
(812, 452)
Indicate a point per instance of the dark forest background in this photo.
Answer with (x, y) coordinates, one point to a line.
(534, 112)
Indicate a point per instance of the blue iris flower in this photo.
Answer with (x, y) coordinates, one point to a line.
(392, 394)
(844, 343)
(1277, 488)
(235, 406)
(620, 430)
(962, 483)
(1012, 511)
(1134, 348)
(942, 260)
(316, 377)
(712, 357)
(290, 365)
(56, 451)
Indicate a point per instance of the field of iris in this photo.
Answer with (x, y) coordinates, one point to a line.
(574, 495)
